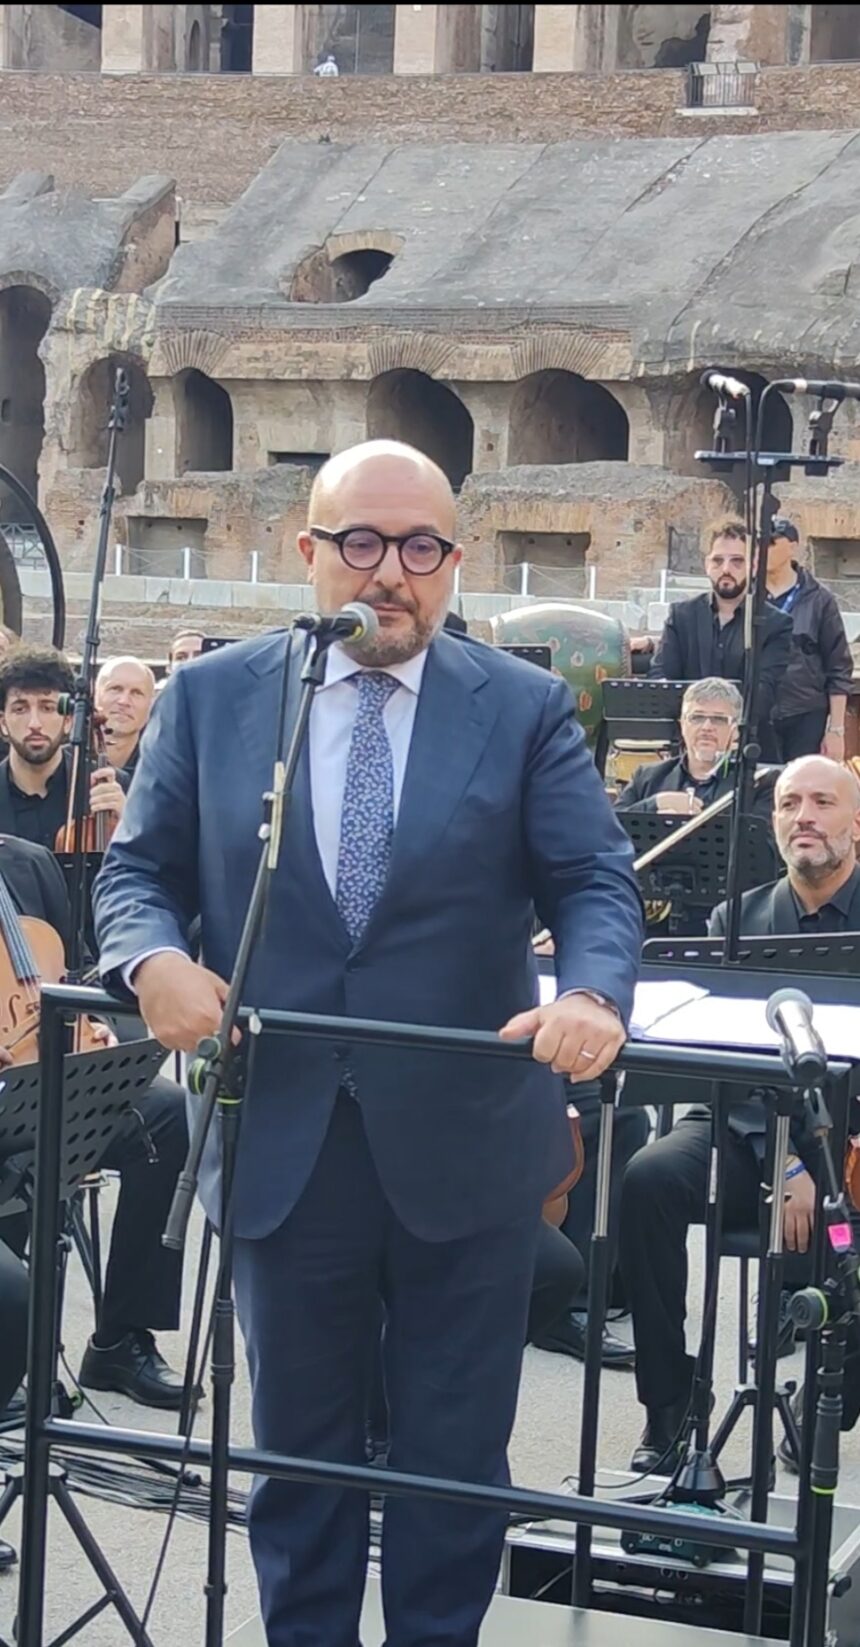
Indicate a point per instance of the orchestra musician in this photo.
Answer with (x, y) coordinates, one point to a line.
(706, 769)
(124, 693)
(817, 827)
(35, 778)
(446, 791)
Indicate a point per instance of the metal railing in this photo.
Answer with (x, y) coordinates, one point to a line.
(551, 582)
(720, 85)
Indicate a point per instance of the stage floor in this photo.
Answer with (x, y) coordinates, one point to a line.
(513, 1623)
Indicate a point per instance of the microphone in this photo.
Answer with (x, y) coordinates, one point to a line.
(354, 622)
(789, 1014)
(816, 386)
(723, 385)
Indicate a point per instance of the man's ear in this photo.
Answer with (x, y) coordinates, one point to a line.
(307, 549)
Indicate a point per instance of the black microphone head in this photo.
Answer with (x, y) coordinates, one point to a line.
(784, 997)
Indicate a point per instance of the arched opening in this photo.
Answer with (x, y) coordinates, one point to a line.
(359, 38)
(204, 424)
(408, 405)
(195, 48)
(834, 34)
(662, 37)
(320, 279)
(237, 39)
(557, 417)
(507, 38)
(91, 436)
(25, 314)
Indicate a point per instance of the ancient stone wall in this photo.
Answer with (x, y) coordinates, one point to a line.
(214, 133)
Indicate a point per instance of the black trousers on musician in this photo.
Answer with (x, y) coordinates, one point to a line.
(664, 1192)
(800, 734)
(13, 1322)
(142, 1283)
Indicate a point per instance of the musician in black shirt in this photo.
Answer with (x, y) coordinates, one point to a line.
(124, 694)
(706, 770)
(35, 777)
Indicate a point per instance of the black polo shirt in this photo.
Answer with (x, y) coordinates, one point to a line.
(835, 915)
(38, 817)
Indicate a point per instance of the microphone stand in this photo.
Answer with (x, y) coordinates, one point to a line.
(81, 706)
(217, 1075)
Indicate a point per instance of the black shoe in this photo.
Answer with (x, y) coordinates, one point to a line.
(135, 1368)
(659, 1451)
(8, 1557)
(785, 1330)
(566, 1336)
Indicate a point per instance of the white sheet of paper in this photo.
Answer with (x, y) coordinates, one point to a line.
(653, 1001)
(735, 1021)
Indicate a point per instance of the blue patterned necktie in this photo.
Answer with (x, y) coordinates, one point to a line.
(367, 818)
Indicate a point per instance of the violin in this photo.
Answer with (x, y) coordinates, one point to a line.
(555, 1206)
(98, 827)
(31, 953)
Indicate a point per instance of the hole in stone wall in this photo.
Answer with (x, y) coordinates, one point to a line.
(341, 279)
(555, 562)
(834, 34)
(411, 406)
(25, 314)
(299, 460)
(835, 558)
(558, 417)
(204, 424)
(507, 38)
(91, 435)
(237, 39)
(166, 548)
(662, 37)
(359, 38)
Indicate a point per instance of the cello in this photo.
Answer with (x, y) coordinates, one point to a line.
(98, 827)
(31, 952)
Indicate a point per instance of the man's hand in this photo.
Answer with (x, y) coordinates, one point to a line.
(578, 1037)
(641, 643)
(674, 801)
(106, 792)
(102, 1034)
(179, 1000)
(799, 1209)
(833, 744)
(543, 944)
(6, 1059)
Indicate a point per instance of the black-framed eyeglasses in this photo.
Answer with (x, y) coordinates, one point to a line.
(363, 548)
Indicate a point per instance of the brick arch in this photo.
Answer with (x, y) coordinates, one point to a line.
(363, 240)
(199, 351)
(589, 354)
(391, 352)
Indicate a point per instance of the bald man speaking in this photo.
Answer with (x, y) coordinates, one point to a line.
(445, 795)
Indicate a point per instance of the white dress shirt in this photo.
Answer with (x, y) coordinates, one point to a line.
(333, 713)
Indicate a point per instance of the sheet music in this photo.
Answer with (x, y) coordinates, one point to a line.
(737, 1021)
(653, 1002)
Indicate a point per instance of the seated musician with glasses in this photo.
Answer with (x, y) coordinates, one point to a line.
(817, 827)
(143, 1280)
(706, 769)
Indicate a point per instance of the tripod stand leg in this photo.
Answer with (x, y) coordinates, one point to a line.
(223, 1372)
(598, 1287)
(11, 1492)
(114, 1591)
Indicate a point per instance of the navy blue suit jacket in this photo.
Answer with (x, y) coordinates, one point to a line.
(502, 814)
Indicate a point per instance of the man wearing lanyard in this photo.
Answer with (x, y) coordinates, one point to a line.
(809, 715)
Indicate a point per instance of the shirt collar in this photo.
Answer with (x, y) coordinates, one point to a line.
(55, 780)
(841, 900)
(340, 666)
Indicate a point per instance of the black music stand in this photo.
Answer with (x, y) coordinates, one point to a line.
(646, 711)
(99, 1091)
(692, 876)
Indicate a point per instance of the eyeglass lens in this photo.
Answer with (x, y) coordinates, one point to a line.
(420, 554)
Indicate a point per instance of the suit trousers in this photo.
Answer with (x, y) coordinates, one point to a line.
(799, 735)
(665, 1191)
(309, 1298)
(13, 1321)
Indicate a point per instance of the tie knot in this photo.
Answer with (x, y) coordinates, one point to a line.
(374, 687)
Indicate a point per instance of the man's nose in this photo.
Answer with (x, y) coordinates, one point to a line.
(390, 570)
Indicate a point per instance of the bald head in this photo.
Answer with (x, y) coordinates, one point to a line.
(124, 691)
(381, 524)
(817, 818)
(373, 470)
